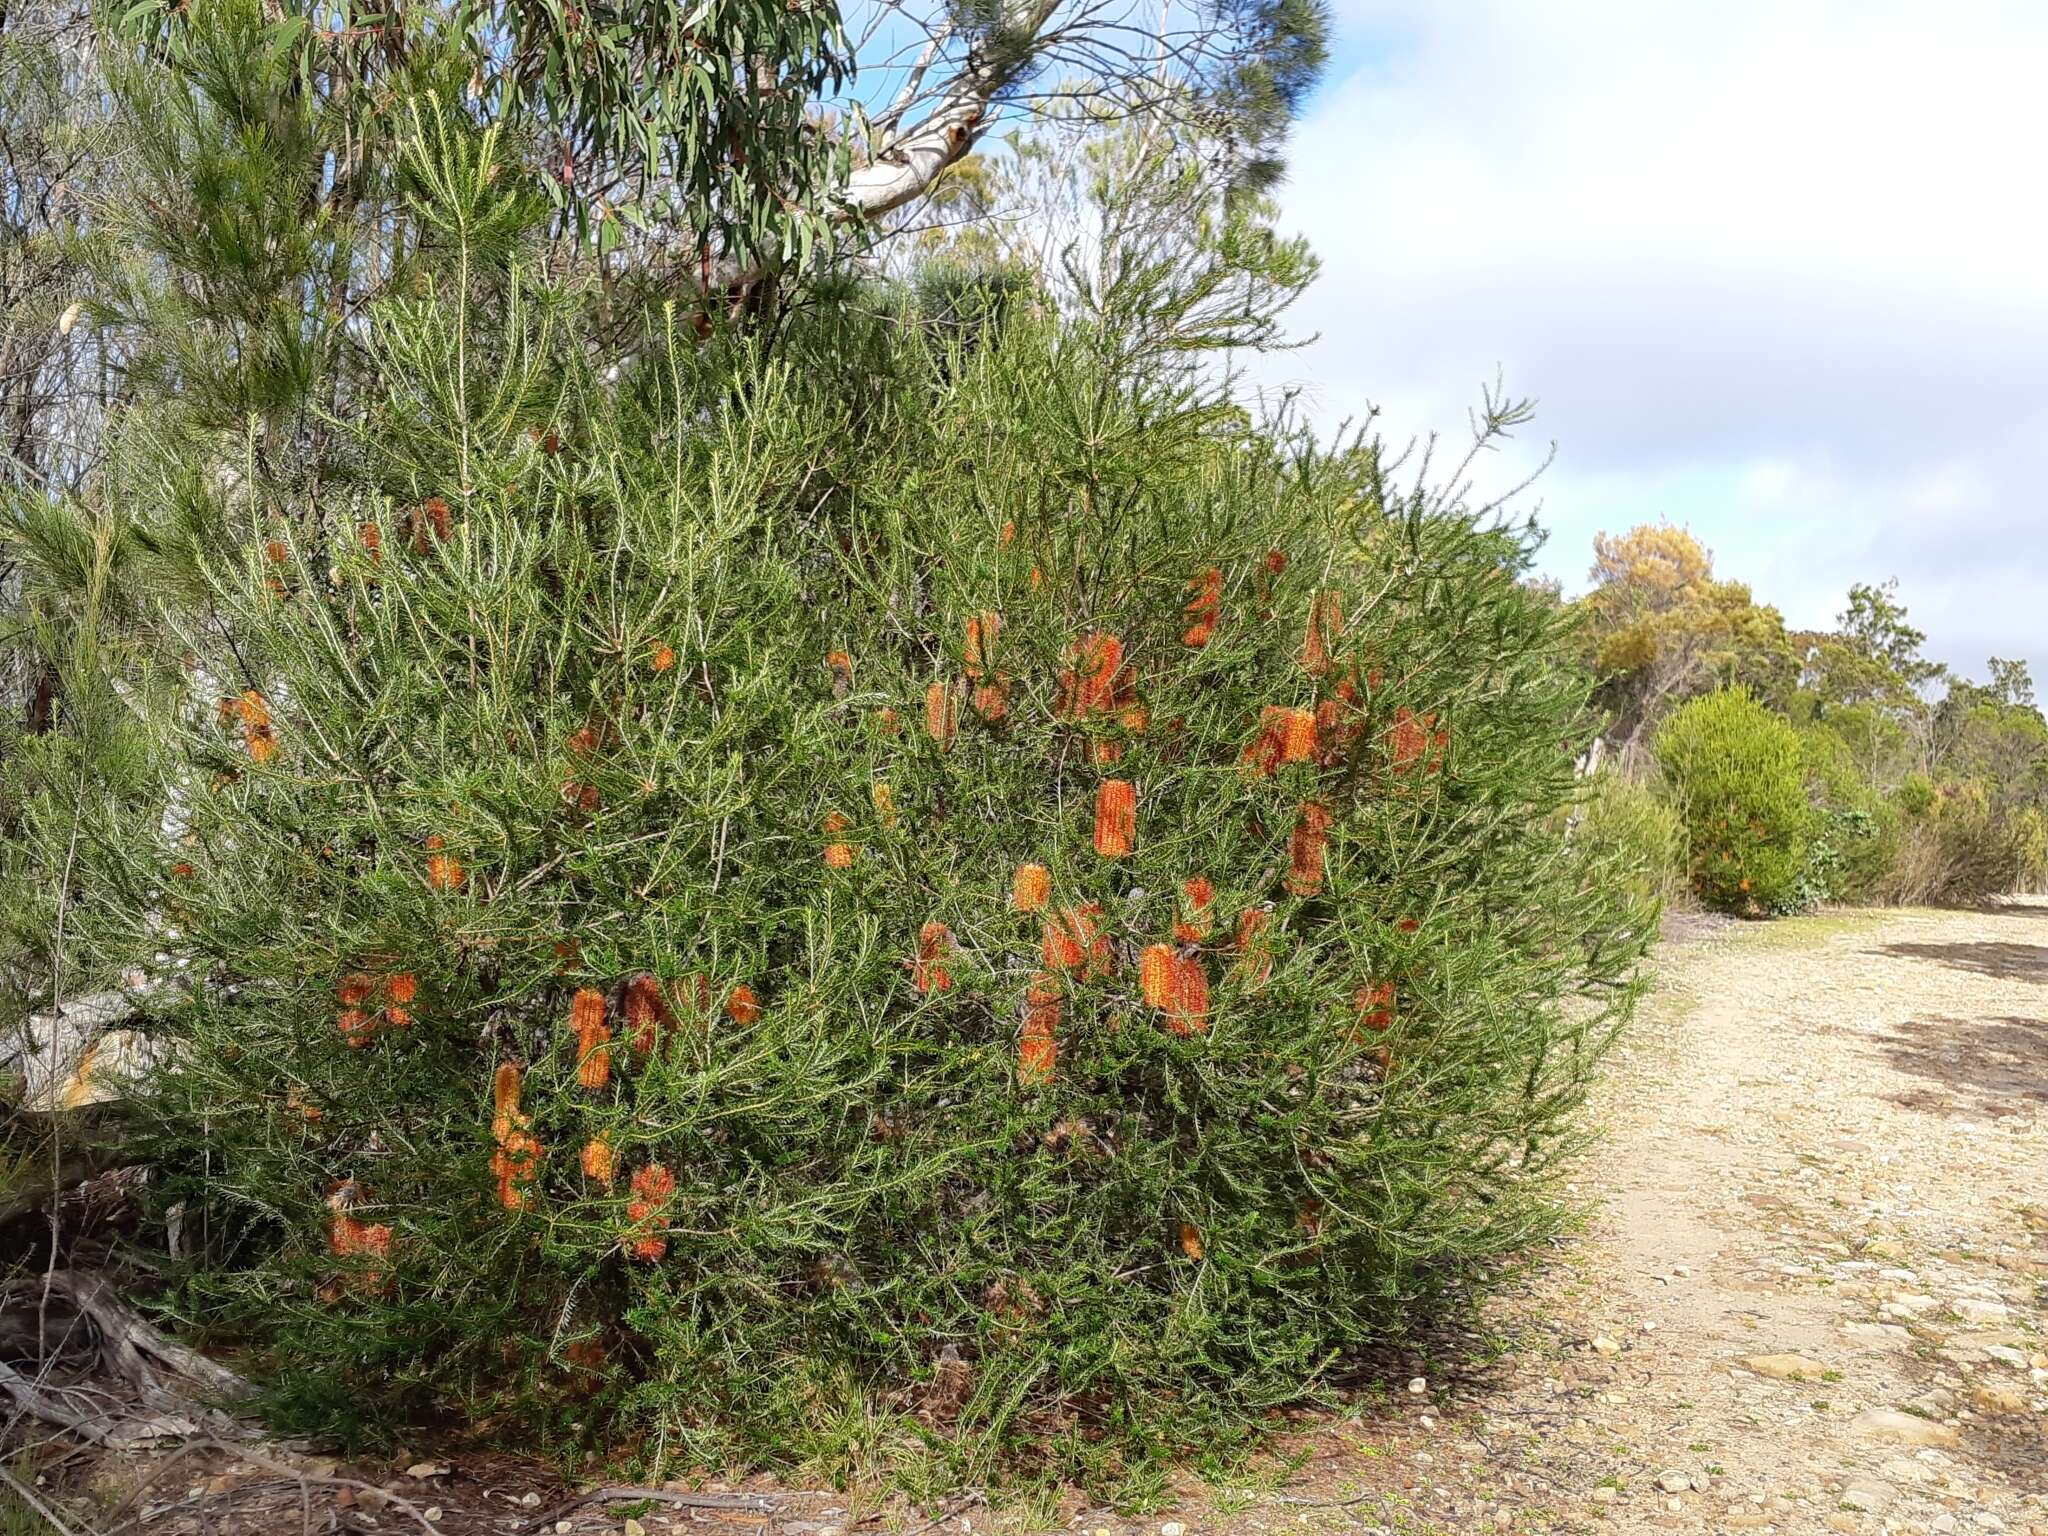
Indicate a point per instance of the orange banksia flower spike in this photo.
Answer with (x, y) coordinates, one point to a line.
(1096, 680)
(1325, 628)
(941, 715)
(838, 855)
(1416, 741)
(1268, 750)
(1191, 1241)
(1199, 894)
(444, 870)
(1156, 975)
(840, 665)
(742, 1005)
(653, 1187)
(648, 1020)
(349, 1237)
(992, 700)
(1116, 818)
(1187, 1011)
(257, 734)
(928, 972)
(1406, 741)
(430, 523)
(373, 541)
(598, 1162)
(1038, 1050)
(1254, 946)
(1306, 849)
(982, 629)
(593, 1038)
(1074, 941)
(518, 1154)
(662, 657)
(1202, 609)
(1375, 1004)
(1061, 948)
(355, 1027)
(1031, 888)
(885, 803)
(1298, 743)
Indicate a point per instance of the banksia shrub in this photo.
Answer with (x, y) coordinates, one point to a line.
(986, 1109)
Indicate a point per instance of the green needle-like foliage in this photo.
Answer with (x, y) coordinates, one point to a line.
(777, 905)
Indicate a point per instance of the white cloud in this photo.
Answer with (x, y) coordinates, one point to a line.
(1775, 270)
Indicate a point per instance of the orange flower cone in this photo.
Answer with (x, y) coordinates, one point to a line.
(1199, 894)
(1306, 850)
(1254, 948)
(646, 1011)
(928, 973)
(1031, 888)
(1375, 1004)
(743, 1006)
(838, 855)
(1156, 976)
(1038, 1050)
(1325, 628)
(1116, 818)
(982, 629)
(593, 1036)
(941, 715)
(1202, 609)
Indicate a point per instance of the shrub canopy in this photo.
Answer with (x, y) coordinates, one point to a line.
(756, 906)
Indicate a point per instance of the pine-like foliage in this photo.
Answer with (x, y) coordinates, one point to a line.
(767, 907)
(1740, 779)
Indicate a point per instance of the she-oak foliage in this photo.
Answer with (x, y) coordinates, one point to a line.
(760, 906)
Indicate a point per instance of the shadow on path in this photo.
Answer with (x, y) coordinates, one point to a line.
(1987, 957)
(1990, 1064)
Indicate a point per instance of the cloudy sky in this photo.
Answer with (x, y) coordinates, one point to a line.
(1776, 270)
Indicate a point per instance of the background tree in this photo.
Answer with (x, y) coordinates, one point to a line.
(1660, 629)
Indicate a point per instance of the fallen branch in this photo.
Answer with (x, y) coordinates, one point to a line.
(624, 1493)
(43, 1188)
(99, 1343)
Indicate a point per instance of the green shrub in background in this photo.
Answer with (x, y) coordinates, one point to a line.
(1854, 839)
(1632, 839)
(1962, 845)
(1739, 778)
(1915, 794)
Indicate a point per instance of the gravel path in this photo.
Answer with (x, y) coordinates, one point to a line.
(1814, 1296)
